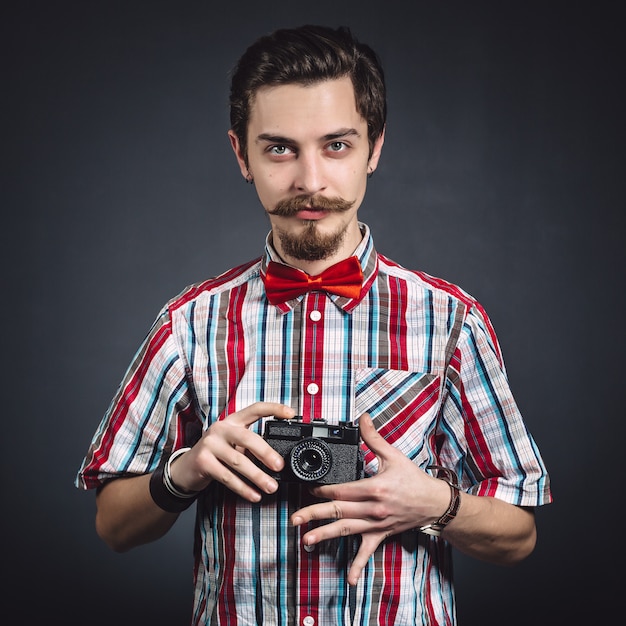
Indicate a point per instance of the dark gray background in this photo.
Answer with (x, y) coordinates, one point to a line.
(502, 172)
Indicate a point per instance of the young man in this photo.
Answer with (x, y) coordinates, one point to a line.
(325, 328)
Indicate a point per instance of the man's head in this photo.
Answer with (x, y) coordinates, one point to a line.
(305, 56)
(308, 118)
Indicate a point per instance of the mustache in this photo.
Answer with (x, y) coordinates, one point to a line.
(290, 206)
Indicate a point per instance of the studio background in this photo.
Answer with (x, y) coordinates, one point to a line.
(502, 172)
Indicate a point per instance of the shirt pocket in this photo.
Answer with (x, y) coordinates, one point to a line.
(403, 406)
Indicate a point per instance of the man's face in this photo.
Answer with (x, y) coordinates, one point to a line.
(308, 153)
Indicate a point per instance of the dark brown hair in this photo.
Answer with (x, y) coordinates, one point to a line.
(308, 55)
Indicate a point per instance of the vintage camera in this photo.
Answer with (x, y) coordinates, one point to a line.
(316, 452)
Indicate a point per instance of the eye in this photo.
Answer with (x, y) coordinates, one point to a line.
(337, 146)
(279, 150)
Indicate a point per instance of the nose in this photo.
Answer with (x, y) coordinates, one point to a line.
(309, 174)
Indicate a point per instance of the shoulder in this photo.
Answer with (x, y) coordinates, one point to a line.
(442, 295)
(424, 281)
(230, 280)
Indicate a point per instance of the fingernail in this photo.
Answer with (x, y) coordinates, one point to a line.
(296, 521)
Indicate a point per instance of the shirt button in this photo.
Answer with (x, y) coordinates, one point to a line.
(308, 548)
(308, 621)
(315, 316)
(312, 388)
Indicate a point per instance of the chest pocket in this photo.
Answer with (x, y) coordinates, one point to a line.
(404, 407)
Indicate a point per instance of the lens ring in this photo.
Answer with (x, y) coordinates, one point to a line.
(311, 459)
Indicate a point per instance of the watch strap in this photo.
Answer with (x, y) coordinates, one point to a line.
(436, 528)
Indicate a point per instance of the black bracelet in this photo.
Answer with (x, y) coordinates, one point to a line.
(163, 491)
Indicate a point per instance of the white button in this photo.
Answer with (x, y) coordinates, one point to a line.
(309, 548)
(315, 316)
(312, 388)
(308, 621)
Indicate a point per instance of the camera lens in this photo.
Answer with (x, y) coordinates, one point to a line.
(310, 459)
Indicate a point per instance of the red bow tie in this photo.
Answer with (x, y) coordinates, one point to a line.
(283, 283)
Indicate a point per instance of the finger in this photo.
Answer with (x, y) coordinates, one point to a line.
(224, 455)
(230, 466)
(248, 444)
(353, 491)
(248, 488)
(243, 438)
(369, 543)
(255, 411)
(320, 511)
(334, 530)
(368, 546)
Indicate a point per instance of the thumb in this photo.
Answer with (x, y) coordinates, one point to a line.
(372, 438)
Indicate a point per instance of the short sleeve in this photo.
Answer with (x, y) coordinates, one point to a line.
(482, 434)
(151, 413)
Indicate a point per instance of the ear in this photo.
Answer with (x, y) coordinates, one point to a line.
(378, 147)
(236, 146)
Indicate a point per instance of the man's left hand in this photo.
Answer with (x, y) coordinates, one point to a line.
(399, 497)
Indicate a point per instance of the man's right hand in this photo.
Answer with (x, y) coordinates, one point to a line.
(127, 515)
(221, 454)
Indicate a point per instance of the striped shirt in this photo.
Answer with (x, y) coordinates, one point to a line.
(417, 353)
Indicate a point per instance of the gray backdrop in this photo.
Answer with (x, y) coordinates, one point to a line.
(502, 172)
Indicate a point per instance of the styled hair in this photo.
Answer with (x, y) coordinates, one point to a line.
(307, 55)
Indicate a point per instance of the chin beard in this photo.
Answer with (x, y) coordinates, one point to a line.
(310, 245)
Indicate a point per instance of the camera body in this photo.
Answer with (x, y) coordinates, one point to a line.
(315, 452)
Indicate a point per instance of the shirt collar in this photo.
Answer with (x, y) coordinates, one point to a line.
(365, 253)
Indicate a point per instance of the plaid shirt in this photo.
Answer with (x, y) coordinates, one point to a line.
(417, 353)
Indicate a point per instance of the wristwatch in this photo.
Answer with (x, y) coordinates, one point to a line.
(436, 528)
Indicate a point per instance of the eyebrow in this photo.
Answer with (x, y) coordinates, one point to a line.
(339, 134)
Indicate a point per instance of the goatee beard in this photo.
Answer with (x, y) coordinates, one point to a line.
(310, 245)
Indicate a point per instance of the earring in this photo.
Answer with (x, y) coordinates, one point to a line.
(370, 172)
(249, 179)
